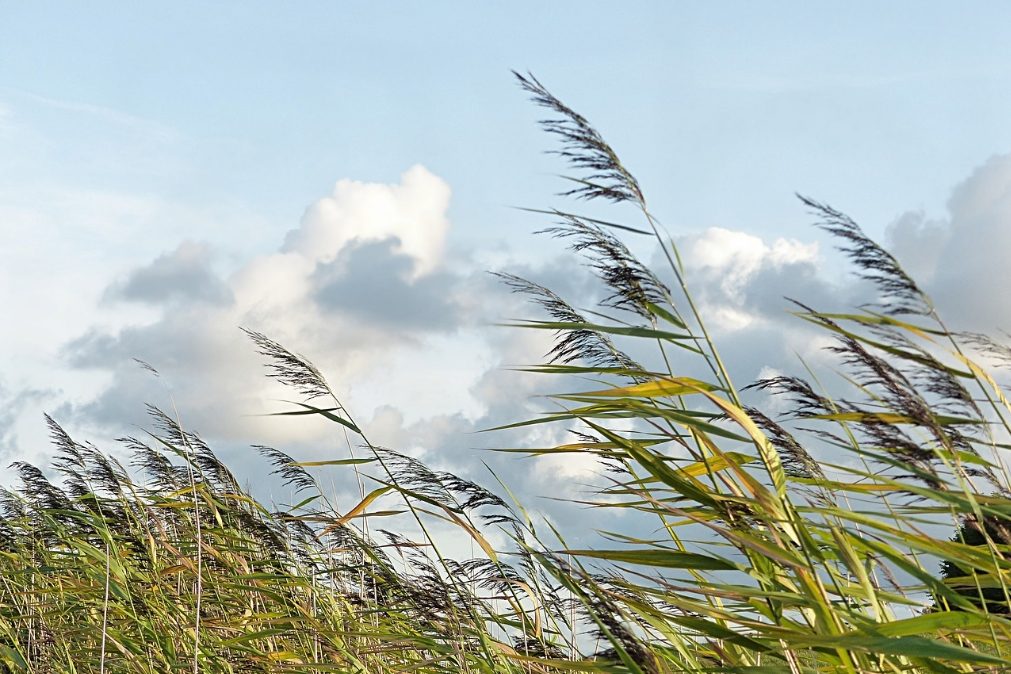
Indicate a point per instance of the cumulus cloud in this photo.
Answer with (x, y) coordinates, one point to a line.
(962, 259)
(743, 285)
(183, 275)
(959, 258)
(917, 241)
(413, 212)
(362, 258)
(740, 279)
(372, 282)
(361, 287)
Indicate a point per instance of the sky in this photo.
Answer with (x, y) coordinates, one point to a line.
(342, 175)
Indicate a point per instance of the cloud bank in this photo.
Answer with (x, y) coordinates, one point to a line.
(962, 258)
(365, 287)
(360, 277)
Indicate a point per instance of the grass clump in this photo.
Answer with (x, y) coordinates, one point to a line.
(816, 541)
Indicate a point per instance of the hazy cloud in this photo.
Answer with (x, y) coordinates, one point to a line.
(12, 404)
(372, 282)
(962, 259)
(740, 279)
(339, 289)
(183, 275)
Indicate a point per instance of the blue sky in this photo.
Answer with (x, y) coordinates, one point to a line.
(723, 110)
(168, 172)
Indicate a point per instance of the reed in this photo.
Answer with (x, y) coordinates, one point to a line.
(816, 541)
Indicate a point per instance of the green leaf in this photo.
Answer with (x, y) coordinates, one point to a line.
(908, 646)
(336, 462)
(941, 620)
(327, 412)
(659, 388)
(670, 559)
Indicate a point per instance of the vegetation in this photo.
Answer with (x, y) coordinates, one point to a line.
(961, 579)
(809, 542)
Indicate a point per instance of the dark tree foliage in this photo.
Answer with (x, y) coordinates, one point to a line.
(993, 599)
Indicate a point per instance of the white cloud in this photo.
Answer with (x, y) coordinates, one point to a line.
(962, 259)
(413, 212)
(368, 257)
(725, 267)
(12, 405)
(183, 275)
(216, 377)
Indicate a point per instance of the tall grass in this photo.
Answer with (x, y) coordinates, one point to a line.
(814, 541)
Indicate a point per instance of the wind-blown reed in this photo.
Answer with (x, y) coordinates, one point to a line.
(819, 540)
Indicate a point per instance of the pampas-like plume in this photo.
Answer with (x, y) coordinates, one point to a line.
(290, 368)
(633, 286)
(590, 346)
(899, 292)
(584, 148)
